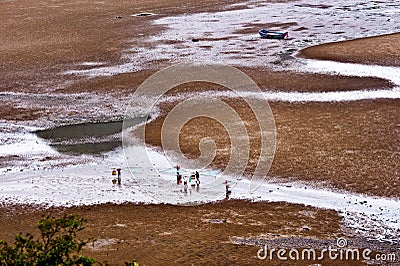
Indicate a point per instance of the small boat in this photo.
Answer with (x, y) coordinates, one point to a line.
(269, 34)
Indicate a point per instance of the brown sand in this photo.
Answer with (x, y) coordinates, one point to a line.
(354, 146)
(351, 145)
(9, 112)
(266, 79)
(379, 50)
(40, 39)
(199, 235)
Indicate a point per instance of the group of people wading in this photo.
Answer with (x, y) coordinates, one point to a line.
(193, 180)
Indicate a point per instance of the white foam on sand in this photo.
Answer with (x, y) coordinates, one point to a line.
(90, 182)
(23, 144)
(350, 69)
(91, 63)
(155, 182)
(336, 96)
(81, 184)
(105, 71)
(222, 39)
(296, 97)
(231, 37)
(17, 141)
(374, 217)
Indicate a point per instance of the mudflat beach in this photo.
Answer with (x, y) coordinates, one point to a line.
(332, 86)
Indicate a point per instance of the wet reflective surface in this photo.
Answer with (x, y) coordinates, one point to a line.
(87, 138)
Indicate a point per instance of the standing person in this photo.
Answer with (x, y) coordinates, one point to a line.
(185, 184)
(192, 181)
(119, 176)
(197, 178)
(178, 176)
(228, 189)
(178, 179)
(114, 173)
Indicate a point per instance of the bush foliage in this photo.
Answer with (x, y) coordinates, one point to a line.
(56, 245)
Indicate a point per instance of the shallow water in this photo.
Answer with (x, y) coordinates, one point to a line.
(231, 37)
(87, 180)
(87, 138)
(86, 184)
(67, 108)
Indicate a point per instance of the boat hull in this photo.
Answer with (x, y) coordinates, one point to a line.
(266, 34)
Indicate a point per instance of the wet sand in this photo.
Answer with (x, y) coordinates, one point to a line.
(124, 85)
(266, 79)
(199, 235)
(352, 145)
(379, 50)
(40, 39)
